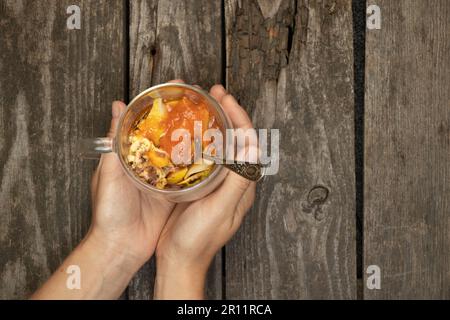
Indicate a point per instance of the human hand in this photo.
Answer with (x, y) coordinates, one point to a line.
(126, 225)
(196, 231)
(125, 219)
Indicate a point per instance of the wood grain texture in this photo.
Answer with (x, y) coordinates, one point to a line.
(407, 149)
(290, 63)
(175, 40)
(56, 87)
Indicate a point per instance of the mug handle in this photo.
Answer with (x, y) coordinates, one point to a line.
(92, 148)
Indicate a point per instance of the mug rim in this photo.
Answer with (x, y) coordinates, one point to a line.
(117, 146)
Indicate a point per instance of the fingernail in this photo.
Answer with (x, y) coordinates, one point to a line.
(115, 110)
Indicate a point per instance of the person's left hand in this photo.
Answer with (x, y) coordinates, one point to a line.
(124, 218)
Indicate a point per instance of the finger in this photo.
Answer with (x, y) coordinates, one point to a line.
(231, 190)
(117, 108)
(175, 81)
(94, 184)
(235, 186)
(237, 114)
(246, 145)
(217, 91)
(109, 161)
(244, 205)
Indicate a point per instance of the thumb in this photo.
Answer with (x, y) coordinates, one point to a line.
(117, 108)
(109, 161)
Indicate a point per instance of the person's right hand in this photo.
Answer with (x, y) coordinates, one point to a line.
(196, 231)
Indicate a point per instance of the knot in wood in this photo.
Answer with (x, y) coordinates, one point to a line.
(318, 195)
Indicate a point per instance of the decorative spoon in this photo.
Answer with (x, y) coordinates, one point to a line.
(250, 171)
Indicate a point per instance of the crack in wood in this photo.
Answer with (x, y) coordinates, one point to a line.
(291, 31)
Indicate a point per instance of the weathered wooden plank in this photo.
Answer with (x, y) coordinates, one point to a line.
(290, 63)
(170, 40)
(56, 87)
(407, 148)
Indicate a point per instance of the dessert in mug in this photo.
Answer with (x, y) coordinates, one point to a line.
(151, 145)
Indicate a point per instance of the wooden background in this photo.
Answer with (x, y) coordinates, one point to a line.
(359, 184)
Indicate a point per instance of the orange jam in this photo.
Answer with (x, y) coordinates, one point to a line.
(182, 114)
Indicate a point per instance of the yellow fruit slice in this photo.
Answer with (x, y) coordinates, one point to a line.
(177, 176)
(153, 125)
(158, 158)
(196, 168)
(194, 179)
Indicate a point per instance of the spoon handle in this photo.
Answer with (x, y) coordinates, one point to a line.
(250, 171)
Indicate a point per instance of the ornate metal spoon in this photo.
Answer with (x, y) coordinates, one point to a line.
(250, 171)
